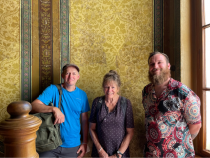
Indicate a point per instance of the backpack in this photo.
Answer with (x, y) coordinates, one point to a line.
(48, 135)
(123, 103)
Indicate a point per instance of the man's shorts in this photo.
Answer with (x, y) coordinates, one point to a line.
(60, 152)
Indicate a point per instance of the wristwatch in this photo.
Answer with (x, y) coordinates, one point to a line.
(118, 152)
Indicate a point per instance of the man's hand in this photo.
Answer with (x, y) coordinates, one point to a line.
(59, 116)
(82, 150)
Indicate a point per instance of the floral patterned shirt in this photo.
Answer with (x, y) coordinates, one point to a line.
(167, 118)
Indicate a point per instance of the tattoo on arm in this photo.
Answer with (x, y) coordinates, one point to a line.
(194, 135)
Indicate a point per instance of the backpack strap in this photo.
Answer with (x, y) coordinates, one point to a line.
(60, 93)
(59, 104)
(99, 104)
(123, 103)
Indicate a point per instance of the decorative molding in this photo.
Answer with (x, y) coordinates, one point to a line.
(45, 44)
(158, 25)
(64, 32)
(26, 50)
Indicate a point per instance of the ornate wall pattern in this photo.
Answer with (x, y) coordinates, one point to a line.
(45, 44)
(158, 25)
(104, 35)
(9, 54)
(64, 32)
(118, 35)
(26, 50)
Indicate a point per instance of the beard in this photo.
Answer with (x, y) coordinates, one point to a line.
(161, 78)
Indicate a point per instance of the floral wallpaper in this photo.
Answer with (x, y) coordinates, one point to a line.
(103, 35)
(113, 35)
(9, 54)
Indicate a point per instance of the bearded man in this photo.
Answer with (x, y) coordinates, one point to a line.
(172, 112)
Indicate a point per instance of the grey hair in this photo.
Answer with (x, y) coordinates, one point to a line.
(112, 76)
(154, 53)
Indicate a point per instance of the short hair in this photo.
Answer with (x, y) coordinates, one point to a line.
(154, 53)
(70, 65)
(111, 76)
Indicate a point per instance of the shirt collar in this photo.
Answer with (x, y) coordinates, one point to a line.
(166, 91)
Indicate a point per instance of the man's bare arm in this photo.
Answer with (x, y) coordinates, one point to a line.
(85, 127)
(83, 147)
(40, 107)
(194, 129)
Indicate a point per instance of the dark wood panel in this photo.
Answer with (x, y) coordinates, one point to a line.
(158, 25)
(171, 38)
(45, 44)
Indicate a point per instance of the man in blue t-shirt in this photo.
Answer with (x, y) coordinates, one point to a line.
(74, 103)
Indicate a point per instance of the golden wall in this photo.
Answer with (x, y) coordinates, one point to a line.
(186, 48)
(9, 54)
(104, 35)
(117, 35)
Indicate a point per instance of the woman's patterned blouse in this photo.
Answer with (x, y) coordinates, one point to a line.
(167, 118)
(111, 126)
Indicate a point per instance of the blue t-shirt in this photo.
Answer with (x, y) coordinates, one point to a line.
(72, 105)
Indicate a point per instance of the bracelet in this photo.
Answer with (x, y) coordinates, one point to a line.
(99, 150)
(118, 152)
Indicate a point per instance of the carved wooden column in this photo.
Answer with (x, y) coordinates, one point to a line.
(19, 131)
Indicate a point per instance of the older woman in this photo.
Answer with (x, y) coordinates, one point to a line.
(111, 120)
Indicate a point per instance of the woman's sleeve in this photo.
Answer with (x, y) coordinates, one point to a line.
(129, 115)
(93, 114)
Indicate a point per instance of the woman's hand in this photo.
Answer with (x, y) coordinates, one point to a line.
(115, 156)
(103, 154)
